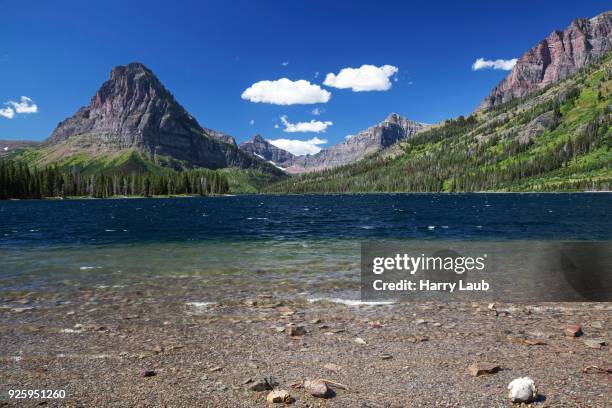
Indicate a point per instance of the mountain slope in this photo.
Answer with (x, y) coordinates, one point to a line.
(370, 140)
(554, 58)
(259, 146)
(133, 111)
(555, 139)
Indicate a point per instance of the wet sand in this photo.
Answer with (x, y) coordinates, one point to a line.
(208, 351)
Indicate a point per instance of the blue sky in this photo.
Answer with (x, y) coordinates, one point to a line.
(208, 53)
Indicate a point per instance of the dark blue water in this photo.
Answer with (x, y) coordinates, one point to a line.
(413, 216)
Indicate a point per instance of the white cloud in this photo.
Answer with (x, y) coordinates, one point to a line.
(286, 92)
(300, 147)
(7, 113)
(276, 126)
(252, 121)
(316, 75)
(347, 137)
(364, 78)
(285, 63)
(24, 106)
(315, 126)
(318, 111)
(505, 65)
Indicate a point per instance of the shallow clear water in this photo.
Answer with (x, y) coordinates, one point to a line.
(257, 240)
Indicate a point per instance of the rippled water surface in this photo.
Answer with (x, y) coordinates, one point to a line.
(248, 240)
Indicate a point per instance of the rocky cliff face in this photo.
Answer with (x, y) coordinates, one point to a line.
(373, 139)
(258, 146)
(223, 137)
(133, 110)
(556, 57)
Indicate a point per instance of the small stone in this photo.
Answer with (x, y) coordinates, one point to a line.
(522, 390)
(376, 324)
(21, 309)
(359, 340)
(215, 369)
(416, 339)
(247, 381)
(280, 397)
(332, 367)
(573, 330)
(596, 324)
(482, 368)
(516, 339)
(315, 321)
(316, 388)
(437, 324)
(595, 343)
(420, 321)
(295, 330)
(386, 356)
(535, 342)
(147, 373)
(262, 385)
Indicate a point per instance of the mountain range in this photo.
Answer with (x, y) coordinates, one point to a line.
(134, 124)
(556, 57)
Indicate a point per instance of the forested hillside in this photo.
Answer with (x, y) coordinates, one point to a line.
(556, 139)
(18, 180)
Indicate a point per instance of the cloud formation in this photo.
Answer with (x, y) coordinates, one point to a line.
(286, 92)
(285, 63)
(315, 126)
(7, 113)
(364, 78)
(502, 64)
(24, 106)
(299, 147)
(318, 111)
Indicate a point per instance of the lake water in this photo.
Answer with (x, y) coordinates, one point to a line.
(306, 243)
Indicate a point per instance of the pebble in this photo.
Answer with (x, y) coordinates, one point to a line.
(573, 330)
(535, 342)
(596, 324)
(522, 390)
(376, 325)
(264, 384)
(317, 388)
(215, 369)
(386, 356)
(595, 343)
(147, 373)
(280, 397)
(359, 340)
(332, 367)
(420, 321)
(295, 330)
(482, 368)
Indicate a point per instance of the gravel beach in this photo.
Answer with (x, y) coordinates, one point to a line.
(169, 345)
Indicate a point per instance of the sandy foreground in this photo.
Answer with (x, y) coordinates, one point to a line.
(97, 344)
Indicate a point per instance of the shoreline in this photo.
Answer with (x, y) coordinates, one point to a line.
(83, 198)
(95, 342)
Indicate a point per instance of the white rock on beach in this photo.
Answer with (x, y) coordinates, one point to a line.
(522, 390)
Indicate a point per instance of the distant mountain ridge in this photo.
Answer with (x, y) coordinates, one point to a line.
(260, 147)
(373, 139)
(134, 111)
(556, 57)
